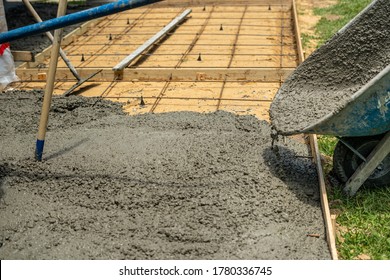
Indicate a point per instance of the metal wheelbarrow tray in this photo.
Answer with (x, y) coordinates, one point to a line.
(343, 89)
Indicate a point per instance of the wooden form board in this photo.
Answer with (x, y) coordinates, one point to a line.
(176, 3)
(315, 151)
(166, 74)
(45, 54)
(252, 37)
(224, 57)
(23, 56)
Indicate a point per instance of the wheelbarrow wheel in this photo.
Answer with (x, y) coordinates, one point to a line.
(345, 161)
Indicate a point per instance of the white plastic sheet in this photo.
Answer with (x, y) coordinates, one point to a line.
(7, 67)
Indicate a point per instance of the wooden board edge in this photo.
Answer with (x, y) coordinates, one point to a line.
(167, 74)
(70, 37)
(330, 230)
(25, 56)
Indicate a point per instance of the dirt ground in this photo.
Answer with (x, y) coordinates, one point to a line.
(308, 21)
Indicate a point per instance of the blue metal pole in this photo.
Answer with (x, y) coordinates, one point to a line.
(74, 18)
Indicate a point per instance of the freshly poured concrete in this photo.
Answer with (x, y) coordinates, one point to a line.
(155, 186)
(325, 82)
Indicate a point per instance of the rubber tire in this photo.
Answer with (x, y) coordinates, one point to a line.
(345, 162)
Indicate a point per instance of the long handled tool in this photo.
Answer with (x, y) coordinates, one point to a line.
(51, 73)
(80, 80)
(58, 23)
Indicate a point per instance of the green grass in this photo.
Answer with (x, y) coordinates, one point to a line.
(364, 219)
(305, 39)
(365, 223)
(327, 144)
(335, 17)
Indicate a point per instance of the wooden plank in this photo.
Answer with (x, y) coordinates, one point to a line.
(330, 236)
(165, 74)
(127, 60)
(333, 218)
(23, 56)
(297, 33)
(229, 3)
(50, 36)
(69, 38)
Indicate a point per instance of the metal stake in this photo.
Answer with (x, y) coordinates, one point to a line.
(142, 103)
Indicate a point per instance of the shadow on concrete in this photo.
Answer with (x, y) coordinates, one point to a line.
(296, 171)
(4, 171)
(66, 149)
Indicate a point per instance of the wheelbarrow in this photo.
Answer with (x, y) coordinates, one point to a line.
(359, 119)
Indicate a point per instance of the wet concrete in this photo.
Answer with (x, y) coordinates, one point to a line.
(325, 82)
(21, 110)
(166, 186)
